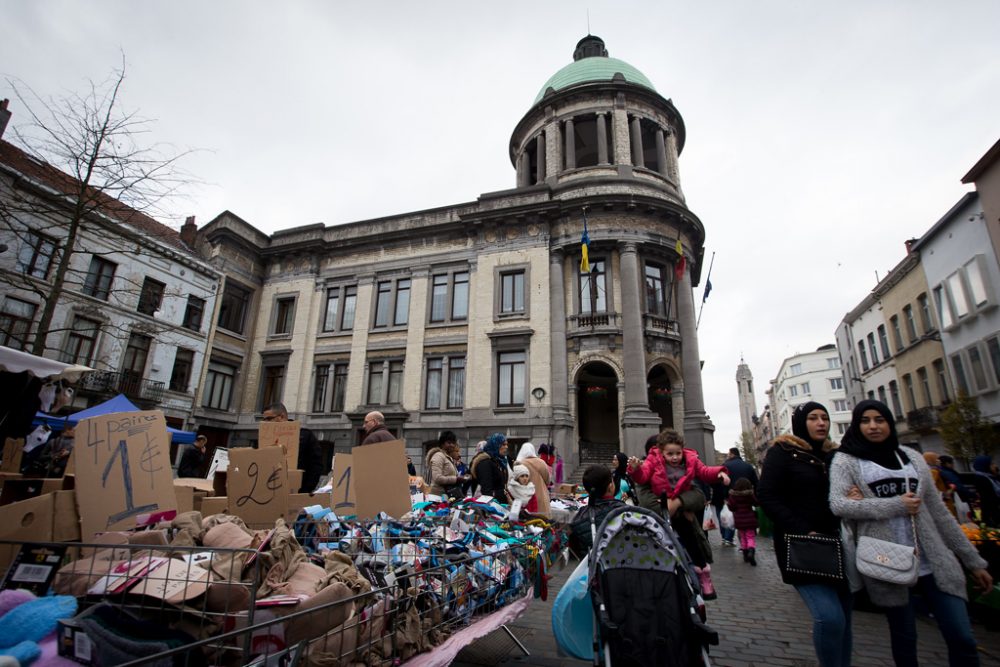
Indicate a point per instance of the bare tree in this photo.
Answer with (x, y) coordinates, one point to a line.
(88, 185)
(746, 445)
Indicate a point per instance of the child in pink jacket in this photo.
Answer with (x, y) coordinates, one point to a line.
(670, 470)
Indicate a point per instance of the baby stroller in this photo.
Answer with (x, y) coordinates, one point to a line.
(646, 596)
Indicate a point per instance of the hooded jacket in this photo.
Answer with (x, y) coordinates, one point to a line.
(653, 471)
(441, 471)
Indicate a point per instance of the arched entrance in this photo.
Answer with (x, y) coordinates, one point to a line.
(597, 407)
(661, 395)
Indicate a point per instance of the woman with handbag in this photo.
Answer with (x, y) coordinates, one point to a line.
(906, 538)
(793, 491)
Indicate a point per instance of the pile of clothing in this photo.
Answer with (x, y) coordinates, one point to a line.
(200, 590)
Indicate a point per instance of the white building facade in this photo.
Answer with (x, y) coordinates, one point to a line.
(813, 376)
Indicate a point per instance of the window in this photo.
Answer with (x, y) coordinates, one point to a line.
(925, 385)
(233, 309)
(881, 395)
(273, 386)
(512, 292)
(897, 335)
(942, 380)
(341, 304)
(833, 362)
(395, 382)
(840, 405)
(151, 296)
(871, 395)
(836, 383)
(284, 317)
(961, 383)
(793, 390)
(943, 309)
(193, 313)
(795, 369)
(376, 371)
(35, 256)
(99, 276)
(897, 408)
(15, 322)
(594, 289)
(392, 302)
(511, 378)
(883, 342)
(910, 395)
(957, 291)
(841, 428)
(656, 293)
(136, 353)
(80, 342)
(977, 286)
(993, 347)
(328, 391)
(871, 348)
(385, 382)
(218, 386)
(451, 390)
(180, 376)
(805, 388)
(911, 326)
(978, 368)
(457, 286)
(863, 355)
(925, 313)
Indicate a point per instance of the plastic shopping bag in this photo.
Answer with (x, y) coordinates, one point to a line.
(573, 615)
(726, 519)
(710, 522)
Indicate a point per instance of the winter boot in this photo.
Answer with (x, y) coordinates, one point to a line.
(752, 556)
(705, 577)
(746, 555)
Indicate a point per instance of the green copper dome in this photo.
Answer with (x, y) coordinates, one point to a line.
(591, 63)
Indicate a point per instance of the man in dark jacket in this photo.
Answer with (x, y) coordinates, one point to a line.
(376, 430)
(310, 460)
(193, 460)
(738, 469)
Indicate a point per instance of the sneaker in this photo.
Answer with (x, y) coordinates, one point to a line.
(728, 543)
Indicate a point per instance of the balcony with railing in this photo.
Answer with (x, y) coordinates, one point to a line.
(134, 386)
(586, 322)
(923, 420)
(661, 325)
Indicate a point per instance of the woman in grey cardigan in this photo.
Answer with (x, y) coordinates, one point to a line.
(867, 480)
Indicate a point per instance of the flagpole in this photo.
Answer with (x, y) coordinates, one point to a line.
(703, 299)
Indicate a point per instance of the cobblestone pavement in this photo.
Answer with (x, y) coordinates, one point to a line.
(760, 621)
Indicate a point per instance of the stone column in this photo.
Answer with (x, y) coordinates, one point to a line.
(523, 177)
(661, 155)
(570, 144)
(698, 428)
(602, 138)
(673, 173)
(638, 421)
(540, 157)
(636, 137)
(562, 418)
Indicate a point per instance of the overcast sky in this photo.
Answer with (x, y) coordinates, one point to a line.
(820, 136)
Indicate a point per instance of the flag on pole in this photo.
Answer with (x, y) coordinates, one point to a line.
(681, 262)
(708, 289)
(585, 247)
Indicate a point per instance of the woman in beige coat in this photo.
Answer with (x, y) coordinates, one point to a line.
(539, 471)
(442, 473)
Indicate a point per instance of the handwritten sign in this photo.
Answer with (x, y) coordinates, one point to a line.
(281, 434)
(381, 483)
(258, 485)
(344, 500)
(124, 466)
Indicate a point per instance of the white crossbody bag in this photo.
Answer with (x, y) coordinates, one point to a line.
(890, 561)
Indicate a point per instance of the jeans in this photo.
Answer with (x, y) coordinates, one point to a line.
(748, 538)
(727, 534)
(831, 611)
(952, 618)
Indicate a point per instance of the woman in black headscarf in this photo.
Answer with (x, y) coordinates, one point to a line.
(793, 490)
(888, 490)
(624, 486)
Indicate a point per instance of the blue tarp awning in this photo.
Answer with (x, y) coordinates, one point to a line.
(117, 404)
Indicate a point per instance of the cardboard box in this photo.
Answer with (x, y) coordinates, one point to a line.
(185, 497)
(294, 481)
(566, 490)
(25, 521)
(16, 490)
(214, 505)
(198, 483)
(13, 453)
(66, 518)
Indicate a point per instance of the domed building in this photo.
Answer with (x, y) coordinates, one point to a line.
(481, 316)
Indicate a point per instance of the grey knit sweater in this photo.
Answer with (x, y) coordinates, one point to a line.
(942, 541)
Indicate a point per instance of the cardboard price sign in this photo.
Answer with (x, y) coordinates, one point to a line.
(124, 466)
(381, 483)
(281, 434)
(258, 485)
(344, 500)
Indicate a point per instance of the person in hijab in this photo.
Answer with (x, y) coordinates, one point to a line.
(898, 502)
(624, 486)
(491, 470)
(539, 471)
(793, 491)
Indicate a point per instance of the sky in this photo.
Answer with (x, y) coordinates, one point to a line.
(820, 136)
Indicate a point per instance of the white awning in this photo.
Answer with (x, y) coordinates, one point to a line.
(16, 361)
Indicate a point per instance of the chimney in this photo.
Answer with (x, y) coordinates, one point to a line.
(909, 245)
(4, 116)
(188, 231)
